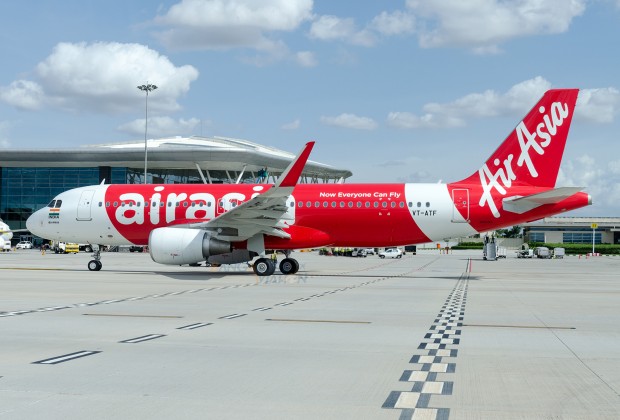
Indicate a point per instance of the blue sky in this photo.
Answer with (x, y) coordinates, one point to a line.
(396, 91)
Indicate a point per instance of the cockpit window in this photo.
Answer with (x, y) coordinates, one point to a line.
(58, 203)
(52, 203)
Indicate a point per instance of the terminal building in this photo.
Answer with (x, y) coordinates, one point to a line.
(30, 178)
(575, 230)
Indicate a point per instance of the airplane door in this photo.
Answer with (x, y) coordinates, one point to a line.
(83, 209)
(460, 212)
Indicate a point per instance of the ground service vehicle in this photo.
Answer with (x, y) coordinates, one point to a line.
(24, 245)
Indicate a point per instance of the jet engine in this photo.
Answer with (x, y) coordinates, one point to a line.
(177, 246)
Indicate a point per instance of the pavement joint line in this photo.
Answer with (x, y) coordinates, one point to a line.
(542, 327)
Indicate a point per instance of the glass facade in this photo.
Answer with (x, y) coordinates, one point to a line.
(582, 237)
(25, 190)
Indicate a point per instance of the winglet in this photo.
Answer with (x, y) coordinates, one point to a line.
(291, 174)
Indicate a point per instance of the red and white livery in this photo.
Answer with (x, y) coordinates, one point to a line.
(225, 224)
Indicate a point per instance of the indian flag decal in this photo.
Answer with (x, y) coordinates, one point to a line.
(54, 213)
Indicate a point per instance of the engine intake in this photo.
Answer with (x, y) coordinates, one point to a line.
(177, 246)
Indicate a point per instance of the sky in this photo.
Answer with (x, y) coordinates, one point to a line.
(395, 90)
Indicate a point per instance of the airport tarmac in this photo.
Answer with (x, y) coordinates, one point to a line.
(430, 336)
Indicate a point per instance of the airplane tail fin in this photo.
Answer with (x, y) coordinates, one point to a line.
(532, 152)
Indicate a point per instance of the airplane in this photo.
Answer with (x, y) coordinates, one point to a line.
(6, 234)
(233, 223)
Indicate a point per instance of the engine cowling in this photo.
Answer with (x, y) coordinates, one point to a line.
(177, 246)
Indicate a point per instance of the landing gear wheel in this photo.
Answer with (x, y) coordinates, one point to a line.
(289, 266)
(264, 267)
(94, 265)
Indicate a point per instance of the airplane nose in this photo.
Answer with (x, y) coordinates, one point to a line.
(35, 222)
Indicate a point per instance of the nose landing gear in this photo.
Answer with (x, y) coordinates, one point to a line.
(95, 264)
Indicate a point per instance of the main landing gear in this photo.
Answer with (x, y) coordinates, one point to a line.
(95, 265)
(267, 266)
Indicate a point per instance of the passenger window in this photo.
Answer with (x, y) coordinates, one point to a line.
(410, 204)
(155, 203)
(333, 204)
(107, 204)
(209, 204)
(309, 204)
(317, 204)
(115, 204)
(161, 204)
(342, 204)
(185, 204)
(359, 204)
(100, 204)
(393, 204)
(428, 204)
(384, 204)
(367, 204)
(325, 204)
(122, 204)
(201, 204)
(419, 204)
(292, 204)
(376, 205)
(177, 204)
(193, 204)
(401, 204)
(139, 203)
(300, 204)
(350, 204)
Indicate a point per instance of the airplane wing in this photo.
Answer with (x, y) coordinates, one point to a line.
(520, 205)
(266, 213)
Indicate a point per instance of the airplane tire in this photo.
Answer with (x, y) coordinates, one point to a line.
(264, 267)
(94, 265)
(289, 266)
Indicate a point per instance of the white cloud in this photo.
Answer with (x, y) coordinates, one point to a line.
(516, 101)
(597, 105)
(395, 23)
(101, 77)
(330, 28)
(161, 127)
(23, 94)
(223, 24)
(306, 59)
(293, 125)
(601, 181)
(484, 24)
(350, 121)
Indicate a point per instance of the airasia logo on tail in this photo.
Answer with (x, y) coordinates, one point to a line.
(505, 173)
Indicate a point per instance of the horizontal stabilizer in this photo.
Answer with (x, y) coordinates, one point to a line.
(520, 204)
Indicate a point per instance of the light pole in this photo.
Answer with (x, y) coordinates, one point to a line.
(146, 88)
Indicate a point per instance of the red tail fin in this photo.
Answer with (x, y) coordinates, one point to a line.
(532, 152)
